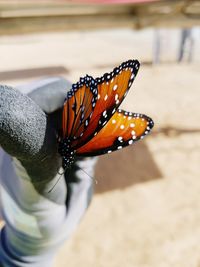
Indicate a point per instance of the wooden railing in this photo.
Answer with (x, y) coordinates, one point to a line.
(38, 16)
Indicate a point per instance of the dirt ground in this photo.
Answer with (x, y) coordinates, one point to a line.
(146, 209)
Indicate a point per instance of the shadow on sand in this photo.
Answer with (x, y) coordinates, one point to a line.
(32, 72)
(130, 166)
(133, 164)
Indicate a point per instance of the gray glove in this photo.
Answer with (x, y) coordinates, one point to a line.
(38, 219)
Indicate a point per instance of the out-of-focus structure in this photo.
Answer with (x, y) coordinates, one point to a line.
(50, 15)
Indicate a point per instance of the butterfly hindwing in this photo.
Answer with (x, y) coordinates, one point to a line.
(112, 89)
(123, 129)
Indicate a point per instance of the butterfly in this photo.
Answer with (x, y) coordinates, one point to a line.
(92, 123)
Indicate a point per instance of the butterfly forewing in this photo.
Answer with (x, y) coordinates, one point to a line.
(78, 107)
(112, 89)
(123, 129)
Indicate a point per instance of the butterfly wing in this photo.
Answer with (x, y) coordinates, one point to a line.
(112, 89)
(123, 129)
(78, 108)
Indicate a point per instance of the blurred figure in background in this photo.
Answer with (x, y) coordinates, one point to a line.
(186, 45)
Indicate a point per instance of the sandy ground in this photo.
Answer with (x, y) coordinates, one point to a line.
(146, 209)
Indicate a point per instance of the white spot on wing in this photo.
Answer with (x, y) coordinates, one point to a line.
(106, 97)
(120, 138)
(132, 76)
(115, 87)
(113, 110)
(132, 125)
(122, 126)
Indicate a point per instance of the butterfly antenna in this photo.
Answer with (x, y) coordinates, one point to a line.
(62, 172)
(57, 180)
(43, 159)
(94, 179)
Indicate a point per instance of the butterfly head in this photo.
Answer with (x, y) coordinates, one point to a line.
(66, 152)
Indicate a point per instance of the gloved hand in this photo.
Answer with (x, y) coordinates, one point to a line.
(37, 220)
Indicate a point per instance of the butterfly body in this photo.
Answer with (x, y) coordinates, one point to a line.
(93, 124)
(66, 152)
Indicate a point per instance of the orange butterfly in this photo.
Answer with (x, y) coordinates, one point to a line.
(92, 124)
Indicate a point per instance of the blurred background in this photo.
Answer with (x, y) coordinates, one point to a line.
(146, 208)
